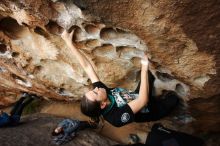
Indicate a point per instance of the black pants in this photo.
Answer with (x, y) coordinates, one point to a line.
(18, 109)
(158, 107)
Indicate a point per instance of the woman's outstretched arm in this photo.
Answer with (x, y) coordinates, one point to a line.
(137, 104)
(84, 62)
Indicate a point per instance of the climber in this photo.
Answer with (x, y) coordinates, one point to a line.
(118, 106)
(67, 129)
(13, 118)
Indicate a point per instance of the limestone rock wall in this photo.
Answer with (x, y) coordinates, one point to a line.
(181, 38)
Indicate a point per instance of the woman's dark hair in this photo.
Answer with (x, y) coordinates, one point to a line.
(90, 108)
(53, 133)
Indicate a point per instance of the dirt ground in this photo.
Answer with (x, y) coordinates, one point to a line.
(35, 130)
(121, 134)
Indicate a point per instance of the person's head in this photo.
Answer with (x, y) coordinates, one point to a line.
(93, 102)
(57, 131)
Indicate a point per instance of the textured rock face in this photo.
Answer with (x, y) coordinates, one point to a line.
(34, 58)
(183, 36)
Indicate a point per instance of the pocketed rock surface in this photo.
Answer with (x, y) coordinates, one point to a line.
(180, 37)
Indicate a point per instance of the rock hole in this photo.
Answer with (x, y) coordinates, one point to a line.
(108, 33)
(3, 48)
(40, 31)
(29, 59)
(10, 27)
(119, 49)
(14, 54)
(78, 33)
(120, 30)
(91, 29)
(164, 76)
(6, 23)
(54, 28)
(61, 90)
